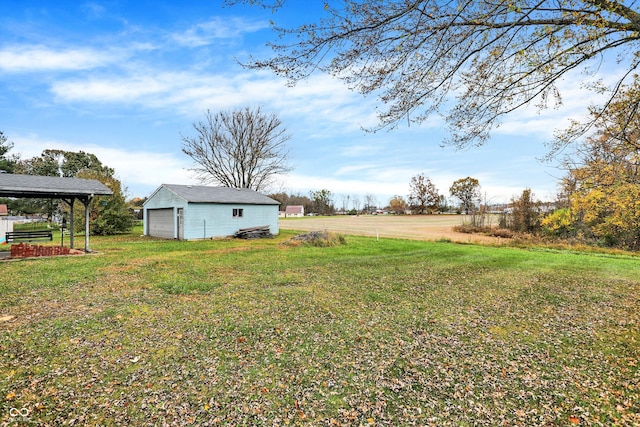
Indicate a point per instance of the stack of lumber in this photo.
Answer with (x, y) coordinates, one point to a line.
(253, 233)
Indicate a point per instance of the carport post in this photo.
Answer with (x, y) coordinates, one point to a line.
(73, 225)
(71, 228)
(86, 222)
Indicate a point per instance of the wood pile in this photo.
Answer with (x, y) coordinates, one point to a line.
(254, 233)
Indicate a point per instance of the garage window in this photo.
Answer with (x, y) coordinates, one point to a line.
(238, 213)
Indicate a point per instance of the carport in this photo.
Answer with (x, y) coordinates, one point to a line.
(50, 187)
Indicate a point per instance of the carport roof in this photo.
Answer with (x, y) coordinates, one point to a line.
(50, 187)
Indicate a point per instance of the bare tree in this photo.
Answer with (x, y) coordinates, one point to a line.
(244, 148)
(356, 204)
(493, 57)
(370, 203)
(345, 203)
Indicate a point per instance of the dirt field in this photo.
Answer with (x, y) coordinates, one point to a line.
(421, 227)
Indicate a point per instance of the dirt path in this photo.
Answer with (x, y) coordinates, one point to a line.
(419, 227)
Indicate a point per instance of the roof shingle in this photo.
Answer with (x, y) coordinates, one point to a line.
(225, 195)
(16, 185)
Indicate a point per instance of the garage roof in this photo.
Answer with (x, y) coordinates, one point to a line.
(224, 195)
(50, 187)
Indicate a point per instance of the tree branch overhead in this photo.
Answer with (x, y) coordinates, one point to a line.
(490, 57)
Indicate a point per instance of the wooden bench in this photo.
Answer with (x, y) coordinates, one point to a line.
(28, 236)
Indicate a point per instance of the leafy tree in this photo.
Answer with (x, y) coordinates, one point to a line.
(7, 162)
(63, 163)
(526, 214)
(137, 202)
(107, 215)
(423, 194)
(40, 165)
(559, 223)
(491, 57)
(612, 215)
(135, 207)
(75, 162)
(23, 206)
(322, 201)
(397, 204)
(467, 190)
(109, 218)
(244, 148)
(603, 177)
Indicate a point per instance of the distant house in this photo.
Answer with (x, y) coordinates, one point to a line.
(294, 211)
(4, 225)
(188, 212)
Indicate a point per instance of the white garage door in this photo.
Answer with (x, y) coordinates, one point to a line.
(160, 223)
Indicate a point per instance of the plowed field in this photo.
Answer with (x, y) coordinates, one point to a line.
(420, 227)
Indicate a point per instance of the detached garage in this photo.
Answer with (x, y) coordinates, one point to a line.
(188, 212)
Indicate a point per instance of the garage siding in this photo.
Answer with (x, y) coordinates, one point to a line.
(206, 220)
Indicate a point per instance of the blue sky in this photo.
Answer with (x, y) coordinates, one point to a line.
(125, 79)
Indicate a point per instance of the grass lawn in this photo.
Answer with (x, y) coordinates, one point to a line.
(389, 332)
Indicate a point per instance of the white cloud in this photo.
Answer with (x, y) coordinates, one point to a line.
(217, 28)
(322, 101)
(93, 10)
(98, 90)
(22, 59)
(355, 169)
